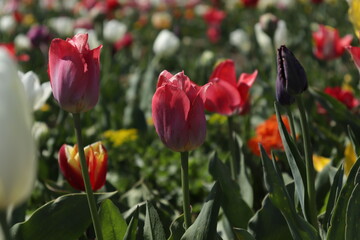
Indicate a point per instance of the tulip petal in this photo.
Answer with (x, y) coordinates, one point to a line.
(80, 42)
(66, 71)
(355, 54)
(170, 109)
(222, 97)
(225, 71)
(164, 78)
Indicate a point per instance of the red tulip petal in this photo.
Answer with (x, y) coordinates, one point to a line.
(222, 97)
(355, 54)
(66, 71)
(245, 82)
(164, 77)
(80, 41)
(225, 71)
(343, 43)
(196, 124)
(170, 109)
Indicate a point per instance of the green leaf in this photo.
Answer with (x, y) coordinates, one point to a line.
(133, 225)
(112, 223)
(234, 206)
(354, 141)
(153, 229)
(334, 194)
(242, 234)
(265, 220)
(177, 228)
(352, 230)
(338, 220)
(65, 218)
(204, 227)
(296, 162)
(299, 228)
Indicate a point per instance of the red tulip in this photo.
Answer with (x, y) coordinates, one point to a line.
(178, 112)
(74, 72)
(355, 54)
(226, 96)
(96, 160)
(346, 97)
(328, 44)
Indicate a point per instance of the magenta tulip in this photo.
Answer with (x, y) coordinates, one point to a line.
(178, 112)
(74, 72)
(226, 96)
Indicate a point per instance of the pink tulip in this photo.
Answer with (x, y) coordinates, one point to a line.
(96, 161)
(328, 44)
(74, 72)
(355, 54)
(226, 96)
(178, 112)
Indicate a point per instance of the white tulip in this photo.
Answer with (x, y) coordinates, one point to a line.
(7, 24)
(166, 43)
(17, 147)
(36, 93)
(240, 39)
(64, 26)
(264, 41)
(22, 42)
(114, 30)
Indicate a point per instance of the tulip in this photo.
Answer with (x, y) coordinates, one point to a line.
(355, 54)
(328, 44)
(226, 96)
(96, 161)
(64, 26)
(178, 112)
(17, 148)
(291, 77)
(241, 40)
(39, 35)
(114, 30)
(166, 43)
(250, 3)
(37, 93)
(74, 72)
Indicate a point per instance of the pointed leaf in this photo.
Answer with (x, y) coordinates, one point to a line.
(112, 223)
(70, 217)
(338, 219)
(354, 141)
(153, 229)
(234, 206)
(204, 227)
(133, 225)
(177, 228)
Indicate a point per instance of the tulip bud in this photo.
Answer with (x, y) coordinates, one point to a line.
(96, 161)
(38, 35)
(291, 77)
(17, 148)
(166, 43)
(114, 30)
(74, 72)
(178, 112)
(240, 39)
(269, 23)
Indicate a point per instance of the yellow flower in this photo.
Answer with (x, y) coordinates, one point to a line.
(320, 162)
(217, 119)
(28, 20)
(354, 15)
(45, 108)
(349, 158)
(347, 83)
(121, 136)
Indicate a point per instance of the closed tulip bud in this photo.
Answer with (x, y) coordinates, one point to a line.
(178, 112)
(96, 161)
(114, 30)
(74, 72)
(291, 77)
(17, 148)
(166, 43)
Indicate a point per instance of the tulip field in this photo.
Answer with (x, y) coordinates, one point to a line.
(179, 119)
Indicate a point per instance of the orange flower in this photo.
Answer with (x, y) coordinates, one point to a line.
(267, 133)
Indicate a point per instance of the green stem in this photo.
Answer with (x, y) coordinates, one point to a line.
(291, 120)
(85, 174)
(310, 183)
(232, 148)
(4, 225)
(185, 187)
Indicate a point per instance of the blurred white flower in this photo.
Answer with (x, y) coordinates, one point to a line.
(264, 41)
(36, 93)
(92, 40)
(7, 24)
(64, 26)
(166, 43)
(114, 30)
(17, 147)
(22, 42)
(240, 39)
(39, 129)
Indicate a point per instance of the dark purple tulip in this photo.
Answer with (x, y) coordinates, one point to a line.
(291, 77)
(39, 35)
